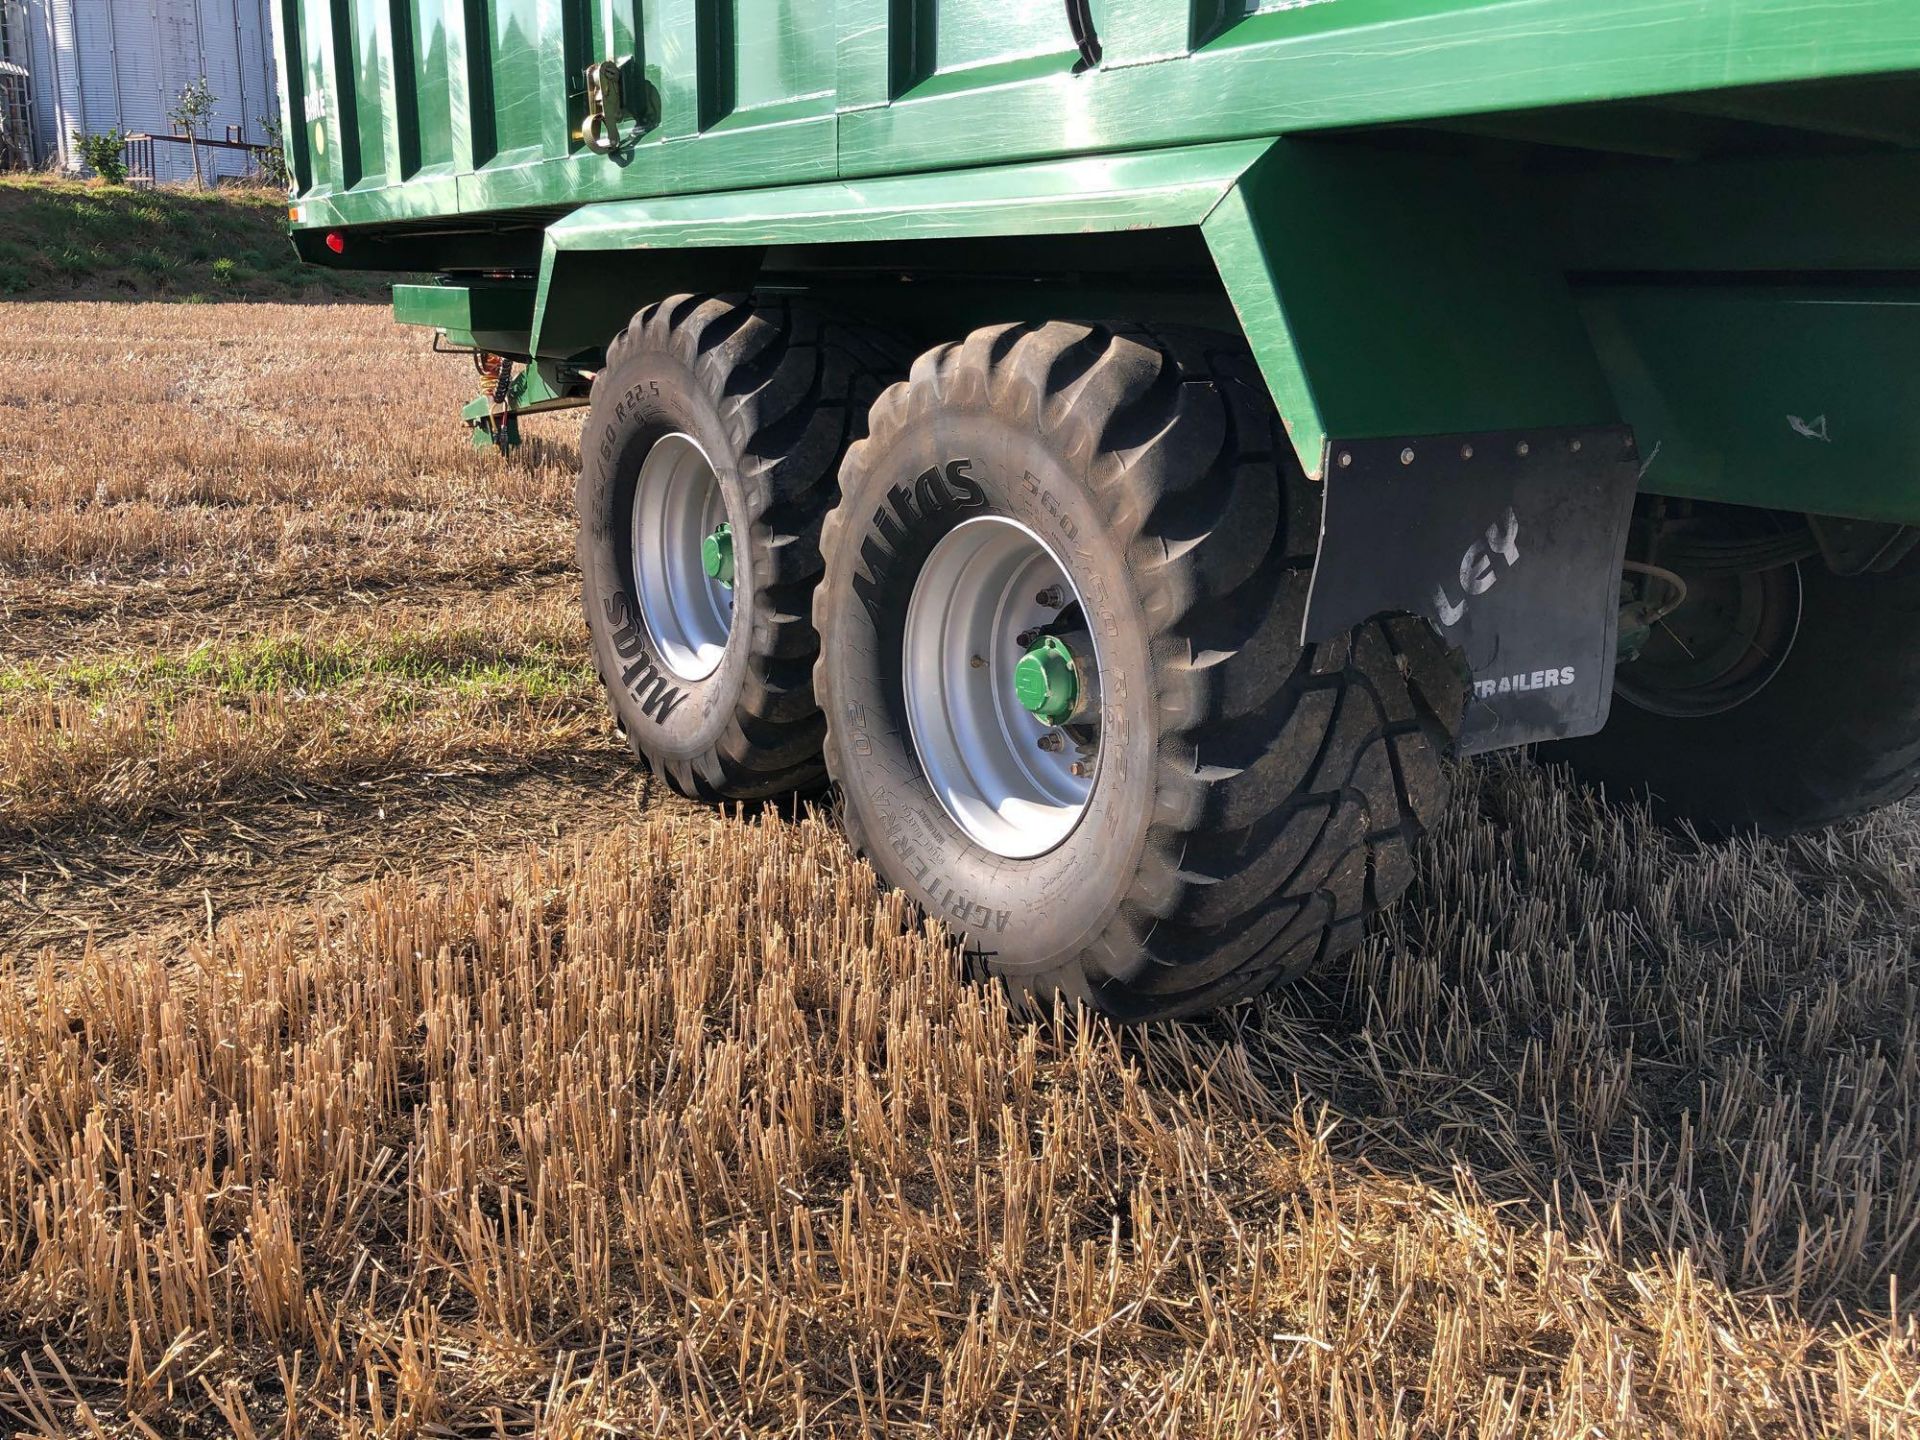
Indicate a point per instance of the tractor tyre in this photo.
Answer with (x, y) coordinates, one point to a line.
(710, 455)
(1774, 701)
(1069, 710)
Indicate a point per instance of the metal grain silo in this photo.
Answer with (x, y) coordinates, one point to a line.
(100, 65)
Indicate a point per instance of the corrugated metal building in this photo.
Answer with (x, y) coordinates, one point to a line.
(99, 65)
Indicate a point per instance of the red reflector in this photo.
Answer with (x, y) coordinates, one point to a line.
(336, 242)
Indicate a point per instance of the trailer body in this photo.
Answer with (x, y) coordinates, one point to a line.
(1593, 327)
(1440, 225)
(1694, 215)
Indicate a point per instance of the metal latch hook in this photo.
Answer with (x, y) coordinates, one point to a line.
(606, 107)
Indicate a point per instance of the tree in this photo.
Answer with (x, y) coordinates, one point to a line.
(273, 155)
(195, 104)
(105, 154)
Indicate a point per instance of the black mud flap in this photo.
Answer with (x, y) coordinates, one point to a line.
(1510, 543)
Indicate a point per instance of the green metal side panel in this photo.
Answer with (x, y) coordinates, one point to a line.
(1294, 68)
(374, 117)
(327, 95)
(410, 108)
(1152, 190)
(429, 58)
(1802, 398)
(781, 58)
(1824, 213)
(1384, 296)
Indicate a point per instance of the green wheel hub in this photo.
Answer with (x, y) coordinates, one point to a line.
(716, 554)
(1044, 680)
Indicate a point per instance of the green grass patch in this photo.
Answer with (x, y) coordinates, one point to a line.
(464, 663)
(72, 239)
(77, 262)
(155, 264)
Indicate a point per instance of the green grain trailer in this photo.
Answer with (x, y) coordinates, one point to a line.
(1126, 444)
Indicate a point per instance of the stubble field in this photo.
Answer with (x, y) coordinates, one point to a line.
(383, 1056)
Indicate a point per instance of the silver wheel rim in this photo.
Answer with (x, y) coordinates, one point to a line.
(676, 504)
(980, 748)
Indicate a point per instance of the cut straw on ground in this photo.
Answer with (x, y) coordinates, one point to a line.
(385, 1057)
(688, 1128)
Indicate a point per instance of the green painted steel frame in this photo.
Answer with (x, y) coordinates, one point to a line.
(608, 259)
(602, 262)
(1390, 295)
(1382, 295)
(1800, 397)
(480, 316)
(539, 388)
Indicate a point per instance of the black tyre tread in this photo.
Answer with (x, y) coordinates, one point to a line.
(1291, 784)
(1869, 757)
(1834, 735)
(793, 385)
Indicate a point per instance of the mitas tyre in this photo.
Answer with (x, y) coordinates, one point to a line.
(710, 456)
(1069, 711)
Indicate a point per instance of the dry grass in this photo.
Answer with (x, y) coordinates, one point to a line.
(686, 1129)
(260, 601)
(164, 881)
(673, 1124)
(157, 459)
(111, 740)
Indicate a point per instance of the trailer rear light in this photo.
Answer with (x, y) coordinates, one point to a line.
(336, 242)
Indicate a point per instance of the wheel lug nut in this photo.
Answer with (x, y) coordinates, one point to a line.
(1051, 597)
(1026, 638)
(1051, 742)
(1078, 769)
(978, 662)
